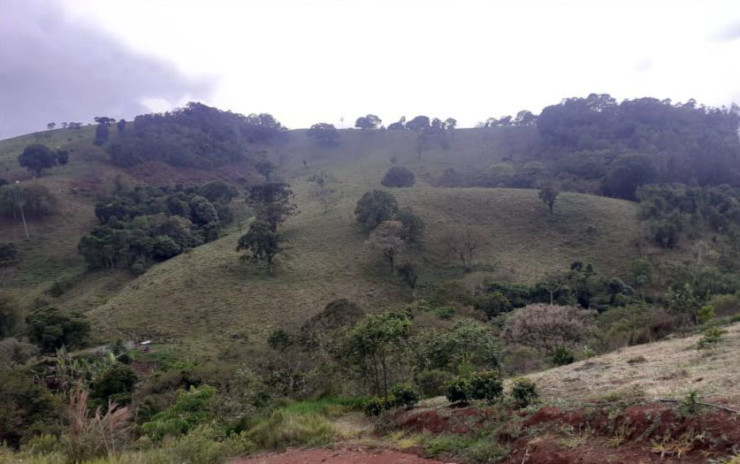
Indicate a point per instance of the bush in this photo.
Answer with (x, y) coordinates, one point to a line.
(433, 382)
(8, 254)
(192, 407)
(562, 356)
(524, 392)
(458, 390)
(547, 327)
(405, 395)
(115, 384)
(705, 314)
(712, 337)
(486, 385)
(203, 446)
(398, 176)
(375, 207)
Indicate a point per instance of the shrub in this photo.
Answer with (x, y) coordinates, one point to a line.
(405, 395)
(8, 254)
(375, 207)
(191, 408)
(203, 446)
(562, 356)
(712, 337)
(433, 382)
(458, 390)
(115, 384)
(547, 327)
(524, 392)
(486, 385)
(398, 176)
(705, 314)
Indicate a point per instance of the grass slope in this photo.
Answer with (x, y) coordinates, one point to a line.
(208, 294)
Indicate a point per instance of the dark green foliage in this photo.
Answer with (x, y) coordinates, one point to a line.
(152, 224)
(323, 133)
(405, 395)
(280, 340)
(52, 328)
(524, 392)
(376, 405)
(398, 176)
(548, 194)
(368, 122)
(26, 200)
(101, 134)
(262, 243)
(419, 123)
(62, 157)
(458, 390)
(37, 157)
(26, 408)
(8, 254)
(627, 173)
(486, 385)
(375, 207)
(711, 338)
(115, 384)
(562, 356)
(10, 315)
(272, 203)
(194, 136)
(493, 303)
(413, 227)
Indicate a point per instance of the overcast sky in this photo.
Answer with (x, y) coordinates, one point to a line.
(306, 61)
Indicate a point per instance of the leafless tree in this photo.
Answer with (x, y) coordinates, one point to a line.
(463, 242)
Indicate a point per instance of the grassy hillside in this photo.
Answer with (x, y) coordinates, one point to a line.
(209, 294)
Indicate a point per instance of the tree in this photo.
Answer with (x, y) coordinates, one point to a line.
(419, 123)
(368, 122)
(398, 176)
(265, 168)
(388, 239)
(554, 283)
(375, 346)
(323, 133)
(37, 157)
(375, 207)
(271, 203)
(62, 157)
(52, 328)
(121, 125)
(413, 227)
(101, 134)
(547, 327)
(262, 242)
(463, 242)
(628, 173)
(51, 125)
(408, 274)
(548, 194)
(451, 123)
(398, 125)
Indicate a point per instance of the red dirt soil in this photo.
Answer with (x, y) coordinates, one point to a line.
(338, 456)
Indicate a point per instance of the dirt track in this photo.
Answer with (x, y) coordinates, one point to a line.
(337, 456)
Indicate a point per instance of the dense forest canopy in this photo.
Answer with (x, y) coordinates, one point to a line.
(194, 136)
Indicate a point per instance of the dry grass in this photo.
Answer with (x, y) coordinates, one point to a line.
(671, 369)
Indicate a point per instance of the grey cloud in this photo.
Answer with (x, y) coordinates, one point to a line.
(52, 69)
(730, 32)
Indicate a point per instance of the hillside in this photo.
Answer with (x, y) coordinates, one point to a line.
(208, 293)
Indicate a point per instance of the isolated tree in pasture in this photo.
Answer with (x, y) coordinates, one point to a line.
(548, 194)
(51, 125)
(451, 124)
(375, 207)
(398, 176)
(463, 242)
(370, 121)
(265, 168)
(388, 239)
(37, 157)
(272, 203)
(324, 133)
(262, 243)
